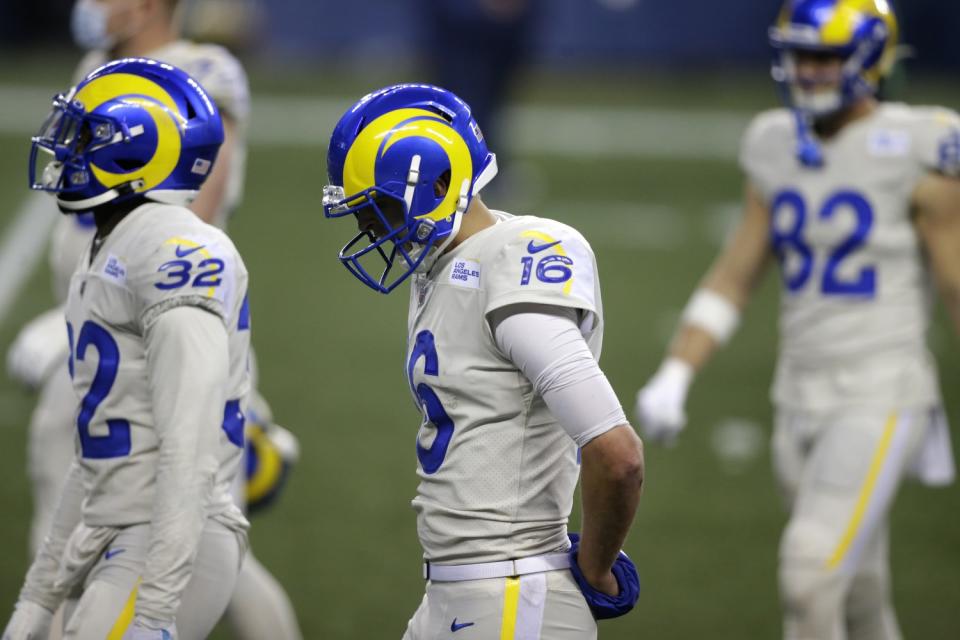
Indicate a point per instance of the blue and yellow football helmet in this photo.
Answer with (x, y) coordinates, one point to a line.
(132, 127)
(271, 452)
(411, 157)
(861, 32)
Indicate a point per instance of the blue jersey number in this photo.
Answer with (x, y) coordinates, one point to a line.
(430, 457)
(117, 441)
(551, 269)
(178, 273)
(790, 240)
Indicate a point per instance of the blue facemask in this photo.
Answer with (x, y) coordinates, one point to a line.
(88, 25)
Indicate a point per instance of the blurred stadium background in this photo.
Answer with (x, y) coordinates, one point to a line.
(624, 121)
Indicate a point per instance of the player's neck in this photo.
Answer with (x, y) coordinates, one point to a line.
(154, 35)
(108, 216)
(476, 218)
(831, 125)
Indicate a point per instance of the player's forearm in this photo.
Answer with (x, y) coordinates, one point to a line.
(187, 350)
(611, 482)
(694, 346)
(40, 584)
(712, 314)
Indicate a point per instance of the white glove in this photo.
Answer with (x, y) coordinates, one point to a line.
(146, 629)
(30, 621)
(286, 443)
(39, 348)
(660, 402)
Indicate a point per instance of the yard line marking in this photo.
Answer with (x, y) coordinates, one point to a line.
(569, 131)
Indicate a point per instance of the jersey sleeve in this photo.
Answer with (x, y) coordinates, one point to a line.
(758, 146)
(938, 142)
(223, 78)
(547, 265)
(199, 268)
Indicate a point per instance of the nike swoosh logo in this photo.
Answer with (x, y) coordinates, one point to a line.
(113, 552)
(456, 627)
(533, 248)
(183, 252)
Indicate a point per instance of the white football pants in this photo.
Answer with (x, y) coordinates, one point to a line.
(547, 606)
(839, 474)
(105, 607)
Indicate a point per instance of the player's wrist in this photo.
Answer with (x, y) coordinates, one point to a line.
(604, 581)
(676, 372)
(714, 313)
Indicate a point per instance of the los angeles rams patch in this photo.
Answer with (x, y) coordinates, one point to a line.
(888, 143)
(465, 273)
(115, 270)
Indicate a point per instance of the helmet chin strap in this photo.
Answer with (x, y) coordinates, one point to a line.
(463, 201)
(809, 152)
(103, 198)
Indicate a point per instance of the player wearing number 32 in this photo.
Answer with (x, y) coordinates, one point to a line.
(504, 333)
(146, 542)
(859, 201)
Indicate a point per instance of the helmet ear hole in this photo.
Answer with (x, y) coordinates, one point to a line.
(128, 164)
(442, 184)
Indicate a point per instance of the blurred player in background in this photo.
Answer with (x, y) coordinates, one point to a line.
(149, 28)
(505, 328)
(146, 541)
(476, 48)
(859, 201)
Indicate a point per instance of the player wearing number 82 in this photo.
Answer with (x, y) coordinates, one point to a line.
(858, 200)
(504, 333)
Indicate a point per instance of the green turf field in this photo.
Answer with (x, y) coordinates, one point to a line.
(342, 538)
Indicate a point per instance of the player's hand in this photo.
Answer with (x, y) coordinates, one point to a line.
(30, 621)
(606, 583)
(286, 443)
(660, 403)
(146, 629)
(39, 348)
(613, 595)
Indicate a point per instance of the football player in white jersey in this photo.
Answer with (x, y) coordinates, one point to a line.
(859, 202)
(147, 539)
(504, 332)
(110, 29)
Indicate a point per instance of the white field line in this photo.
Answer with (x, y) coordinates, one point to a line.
(566, 131)
(23, 245)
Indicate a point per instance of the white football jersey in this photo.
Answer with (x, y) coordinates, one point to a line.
(158, 257)
(497, 471)
(223, 78)
(857, 292)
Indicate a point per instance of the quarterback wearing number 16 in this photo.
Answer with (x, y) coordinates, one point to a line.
(859, 202)
(503, 337)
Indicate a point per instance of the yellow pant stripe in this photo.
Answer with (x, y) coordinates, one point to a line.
(126, 616)
(511, 598)
(876, 465)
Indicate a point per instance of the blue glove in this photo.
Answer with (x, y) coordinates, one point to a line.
(602, 605)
